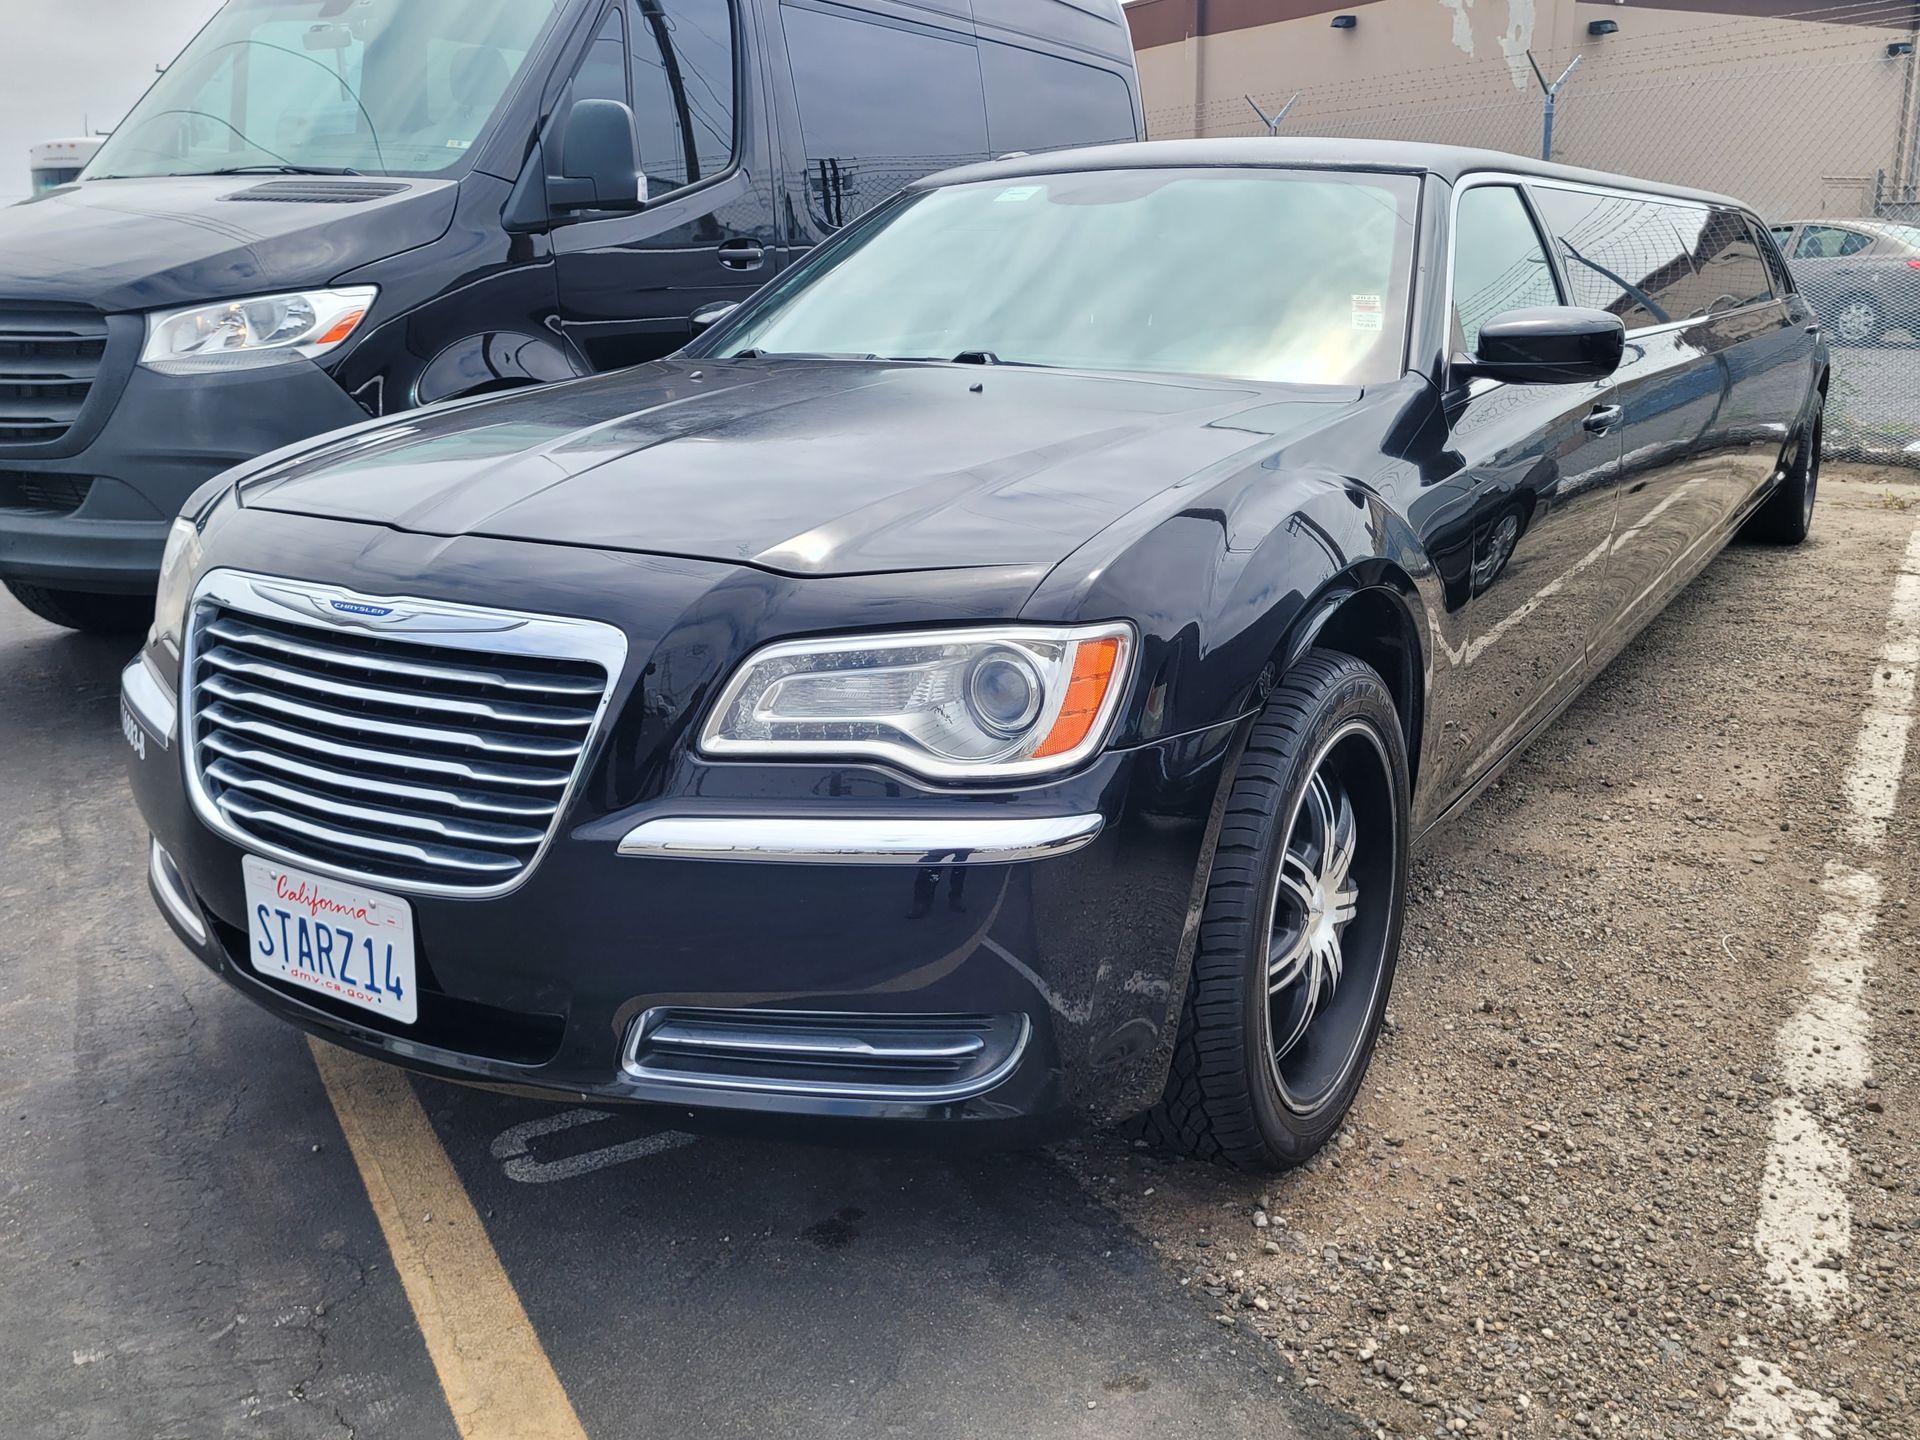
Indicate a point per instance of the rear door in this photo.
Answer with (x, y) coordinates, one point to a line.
(1621, 253)
(1767, 345)
(629, 284)
(1540, 463)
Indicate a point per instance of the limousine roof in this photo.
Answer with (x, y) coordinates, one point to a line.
(1448, 162)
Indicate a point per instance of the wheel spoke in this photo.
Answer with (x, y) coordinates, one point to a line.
(1302, 1002)
(1346, 836)
(1321, 804)
(1287, 959)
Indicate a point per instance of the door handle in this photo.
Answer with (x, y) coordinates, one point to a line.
(1603, 419)
(1813, 329)
(742, 254)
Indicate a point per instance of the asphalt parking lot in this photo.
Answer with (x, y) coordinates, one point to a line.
(1565, 1204)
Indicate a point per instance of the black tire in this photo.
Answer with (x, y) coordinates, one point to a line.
(85, 611)
(1225, 1099)
(1786, 516)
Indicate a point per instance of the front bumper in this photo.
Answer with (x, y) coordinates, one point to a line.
(163, 437)
(1060, 937)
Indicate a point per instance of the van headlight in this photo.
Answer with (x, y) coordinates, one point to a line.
(179, 568)
(989, 704)
(238, 333)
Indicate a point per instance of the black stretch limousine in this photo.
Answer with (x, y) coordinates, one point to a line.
(998, 671)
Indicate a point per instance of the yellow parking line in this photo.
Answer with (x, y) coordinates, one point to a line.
(498, 1380)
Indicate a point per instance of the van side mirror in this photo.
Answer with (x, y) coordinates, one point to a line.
(601, 157)
(1549, 345)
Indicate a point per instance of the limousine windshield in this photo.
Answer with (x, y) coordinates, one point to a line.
(1261, 275)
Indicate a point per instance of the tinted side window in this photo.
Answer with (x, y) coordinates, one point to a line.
(879, 106)
(1829, 242)
(1621, 254)
(683, 76)
(1038, 102)
(1499, 263)
(1775, 262)
(1728, 271)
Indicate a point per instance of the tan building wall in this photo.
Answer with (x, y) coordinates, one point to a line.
(1796, 115)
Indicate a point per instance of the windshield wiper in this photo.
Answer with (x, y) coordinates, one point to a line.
(755, 353)
(971, 357)
(276, 170)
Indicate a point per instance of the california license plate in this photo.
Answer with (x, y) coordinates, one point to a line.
(345, 941)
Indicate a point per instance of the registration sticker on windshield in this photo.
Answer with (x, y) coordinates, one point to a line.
(1368, 312)
(1017, 193)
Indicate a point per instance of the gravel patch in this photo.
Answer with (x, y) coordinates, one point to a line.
(1540, 1218)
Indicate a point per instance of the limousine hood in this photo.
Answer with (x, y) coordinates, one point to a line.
(813, 467)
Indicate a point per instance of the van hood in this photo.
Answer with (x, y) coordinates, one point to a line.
(123, 245)
(811, 467)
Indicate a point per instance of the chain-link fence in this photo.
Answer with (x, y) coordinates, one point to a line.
(1813, 118)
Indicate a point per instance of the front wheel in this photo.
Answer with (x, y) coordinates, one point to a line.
(85, 611)
(1301, 927)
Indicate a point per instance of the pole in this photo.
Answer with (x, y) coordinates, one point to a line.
(1271, 122)
(1552, 93)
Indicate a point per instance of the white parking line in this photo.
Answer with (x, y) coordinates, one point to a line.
(1805, 1227)
(1806, 1221)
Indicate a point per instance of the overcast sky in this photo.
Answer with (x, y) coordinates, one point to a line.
(65, 64)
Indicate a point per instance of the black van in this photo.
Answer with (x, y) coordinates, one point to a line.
(331, 210)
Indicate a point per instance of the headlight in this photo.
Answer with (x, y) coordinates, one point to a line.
(179, 565)
(254, 332)
(948, 704)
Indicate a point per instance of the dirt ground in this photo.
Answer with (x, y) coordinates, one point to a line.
(1541, 1218)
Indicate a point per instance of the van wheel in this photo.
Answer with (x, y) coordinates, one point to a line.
(1787, 514)
(85, 611)
(1300, 930)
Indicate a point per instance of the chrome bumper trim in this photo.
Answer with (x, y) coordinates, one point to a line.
(150, 701)
(171, 890)
(634, 1065)
(854, 841)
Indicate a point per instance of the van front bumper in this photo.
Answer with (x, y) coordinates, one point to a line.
(165, 436)
(978, 964)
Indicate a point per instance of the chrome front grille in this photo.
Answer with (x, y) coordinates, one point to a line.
(433, 751)
(49, 357)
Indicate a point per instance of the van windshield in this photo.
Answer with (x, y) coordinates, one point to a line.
(370, 87)
(1297, 276)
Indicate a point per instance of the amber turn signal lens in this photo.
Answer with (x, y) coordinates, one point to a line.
(341, 328)
(1094, 664)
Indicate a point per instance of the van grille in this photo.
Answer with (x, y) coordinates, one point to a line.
(49, 357)
(405, 762)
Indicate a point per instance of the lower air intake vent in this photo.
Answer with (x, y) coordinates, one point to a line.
(318, 192)
(31, 492)
(924, 1058)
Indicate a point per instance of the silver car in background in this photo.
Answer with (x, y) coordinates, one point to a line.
(1862, 276)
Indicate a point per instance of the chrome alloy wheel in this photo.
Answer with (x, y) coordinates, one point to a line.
(1327, 934)
(1858, 322)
